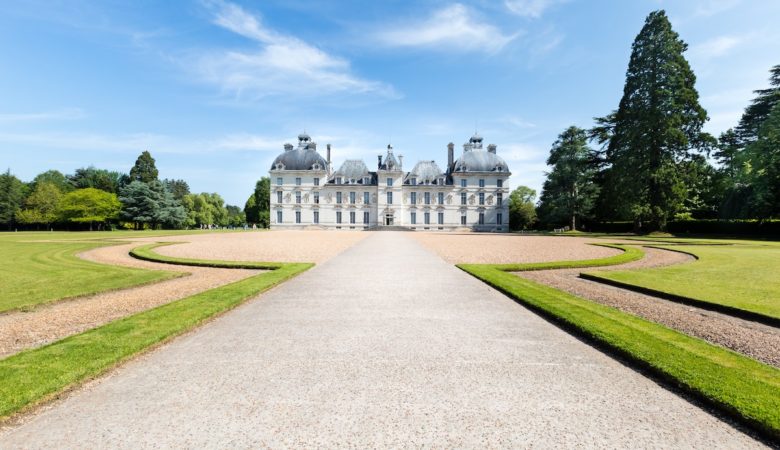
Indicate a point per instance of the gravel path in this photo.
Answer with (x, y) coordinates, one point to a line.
(315, 246)
(385, 346)
(489, 248)
(756, 340)
(21, 330)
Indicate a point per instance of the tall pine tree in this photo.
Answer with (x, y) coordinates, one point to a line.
(656, 126)
(144, 169)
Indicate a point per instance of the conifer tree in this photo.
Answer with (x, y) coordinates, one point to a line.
(656, 126)
(144, 169)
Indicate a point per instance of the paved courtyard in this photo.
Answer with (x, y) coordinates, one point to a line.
(384, 345)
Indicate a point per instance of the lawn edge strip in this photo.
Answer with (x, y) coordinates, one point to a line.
(629, 254)
(145, 253)
(34, 377)
(744, 389)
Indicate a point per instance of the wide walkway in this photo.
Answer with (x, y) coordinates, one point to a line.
(384, 345)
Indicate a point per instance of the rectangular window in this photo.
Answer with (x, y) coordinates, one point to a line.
(427, 217)
(463, 219)
(352, 217)
(427, 198)
(441, 218)
(500, 183)
(481, 218)
(499, 199)
(298, 181)
(338, 197)
(316, 198)
(481, 198)
(316, 217)
(414, 218)
(365, 217)
(279, 181)
(297, 196)
(389, 198)
(338, 180)
(366, 180)
(413, 181)
(366, 198)
(297, 217)
(463, 182)
(316, 181)
(499, 218)
(352, 198)
(278, 196)
(414, 198)
(441, 198)
(278, 217)
(390, 182)
(338, 216)
(462, 198)
(481, 182)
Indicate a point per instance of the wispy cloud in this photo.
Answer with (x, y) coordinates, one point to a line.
(530, 8)
(711, 7)
(717, 46)
(283, 65)
(455, 27)
(60, 114)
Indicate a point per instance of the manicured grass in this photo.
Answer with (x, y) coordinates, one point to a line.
(145, 252)
(33, 273)
(31, 377)
(742, 277)
(742, 387)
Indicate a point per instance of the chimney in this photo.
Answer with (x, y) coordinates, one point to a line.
(288, 147)
(492, 148)
(400, 162)
(328, 147)
(379, 157)
(450, 155)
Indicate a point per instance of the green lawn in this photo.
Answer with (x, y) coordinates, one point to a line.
(744, 277)
(33, 273)
(739, 386)
(33, 376)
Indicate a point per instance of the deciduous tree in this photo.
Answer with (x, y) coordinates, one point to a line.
(42, 205)
(90, 206)
(522, 213)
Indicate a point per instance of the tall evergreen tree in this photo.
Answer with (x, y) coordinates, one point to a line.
(763, 167)
(569, 192)
(656, 126)
(144, 169)
(12, 192)
(760, 108)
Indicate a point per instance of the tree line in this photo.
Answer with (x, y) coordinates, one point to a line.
(93, 198)
(649, 162)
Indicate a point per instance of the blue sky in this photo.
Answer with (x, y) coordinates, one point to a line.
(215, 88)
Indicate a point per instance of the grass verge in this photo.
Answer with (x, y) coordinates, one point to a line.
(628, 254)
(741, 280)
(146, 253)
(35, 376)
(745, 389)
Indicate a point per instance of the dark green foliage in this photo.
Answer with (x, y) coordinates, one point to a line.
(236, 217)
(762, 168)
(522, 213)
(144, 169)
(91, 177)
(760, 108)
(569, 192)
(656, 126)
(12, 193)
(258, 205)
(177, 188)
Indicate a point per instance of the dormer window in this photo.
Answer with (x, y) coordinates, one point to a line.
(366, 180)
(413, 181)
(338, 180)
(316, 166)
(352, 181)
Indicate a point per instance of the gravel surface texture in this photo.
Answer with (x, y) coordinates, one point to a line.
(489, 248)
(269, 246)
(21, 330)
(385, 346)
(756, 340)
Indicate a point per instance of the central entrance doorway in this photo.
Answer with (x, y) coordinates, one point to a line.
(388, 220)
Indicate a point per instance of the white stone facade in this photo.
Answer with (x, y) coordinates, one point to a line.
(470, 194)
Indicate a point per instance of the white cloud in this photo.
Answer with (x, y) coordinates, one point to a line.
(283, 64)
(711, 7)
(530, 8)
(60, 114)
(454, 27)
(718, 46)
